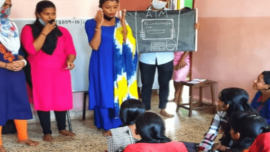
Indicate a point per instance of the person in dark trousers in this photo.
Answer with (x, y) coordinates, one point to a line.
(163, 61)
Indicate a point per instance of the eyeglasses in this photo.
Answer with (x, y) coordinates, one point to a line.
(7, 5)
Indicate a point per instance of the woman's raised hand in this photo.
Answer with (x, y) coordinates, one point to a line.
(123, 17)
(99, 18)
(123, 23)
(48, 28)
(197, 26)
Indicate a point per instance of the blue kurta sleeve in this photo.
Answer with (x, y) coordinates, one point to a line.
(90, 26)
(268, 120)
(254, 104)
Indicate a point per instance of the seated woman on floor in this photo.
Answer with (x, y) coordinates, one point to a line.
(261, 101)
(151, 128)
(123, 136)
(245, 127)
(261, 142)
(231, 100)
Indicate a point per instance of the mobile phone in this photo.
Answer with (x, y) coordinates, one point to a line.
(51, 21)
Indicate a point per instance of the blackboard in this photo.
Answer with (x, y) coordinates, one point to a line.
(162, 31)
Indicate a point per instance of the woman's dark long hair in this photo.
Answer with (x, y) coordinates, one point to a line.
(130, 110)
(266, 77)
(151, 128)
(101, 2)
(51, 39)
(249, 125)
(237, 99)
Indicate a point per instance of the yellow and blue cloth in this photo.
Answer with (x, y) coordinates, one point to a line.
(125, 66)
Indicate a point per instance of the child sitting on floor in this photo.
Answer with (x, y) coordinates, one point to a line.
(123, 136)
(231, 100)
(261, 142)
(245, 127)
(151, 128)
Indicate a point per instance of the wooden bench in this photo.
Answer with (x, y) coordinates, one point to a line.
(190, 105)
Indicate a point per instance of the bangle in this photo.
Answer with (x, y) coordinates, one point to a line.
(24, 61)
(97, 29)
(43, 34)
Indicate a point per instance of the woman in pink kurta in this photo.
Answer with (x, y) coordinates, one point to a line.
(51, 54)
(181, 64)
(51, 80)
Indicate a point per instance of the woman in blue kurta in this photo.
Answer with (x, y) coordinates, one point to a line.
(261, 101)
(112, 69)
(100, 77)
(14, 104)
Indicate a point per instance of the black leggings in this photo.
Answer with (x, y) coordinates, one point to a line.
(45, 120)
(148, 71)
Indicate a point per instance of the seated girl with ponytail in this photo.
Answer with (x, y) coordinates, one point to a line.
(125, 135)
(231, 100)
(245, 127)
(151, 128)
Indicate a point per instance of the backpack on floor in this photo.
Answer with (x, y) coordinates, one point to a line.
(9, 128)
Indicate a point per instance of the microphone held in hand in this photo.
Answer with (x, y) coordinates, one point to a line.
(51, 21)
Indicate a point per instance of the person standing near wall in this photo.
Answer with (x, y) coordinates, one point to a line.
(113, 63)
(14, 102)
(51, 54)
(163, 61)
(181, 64)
